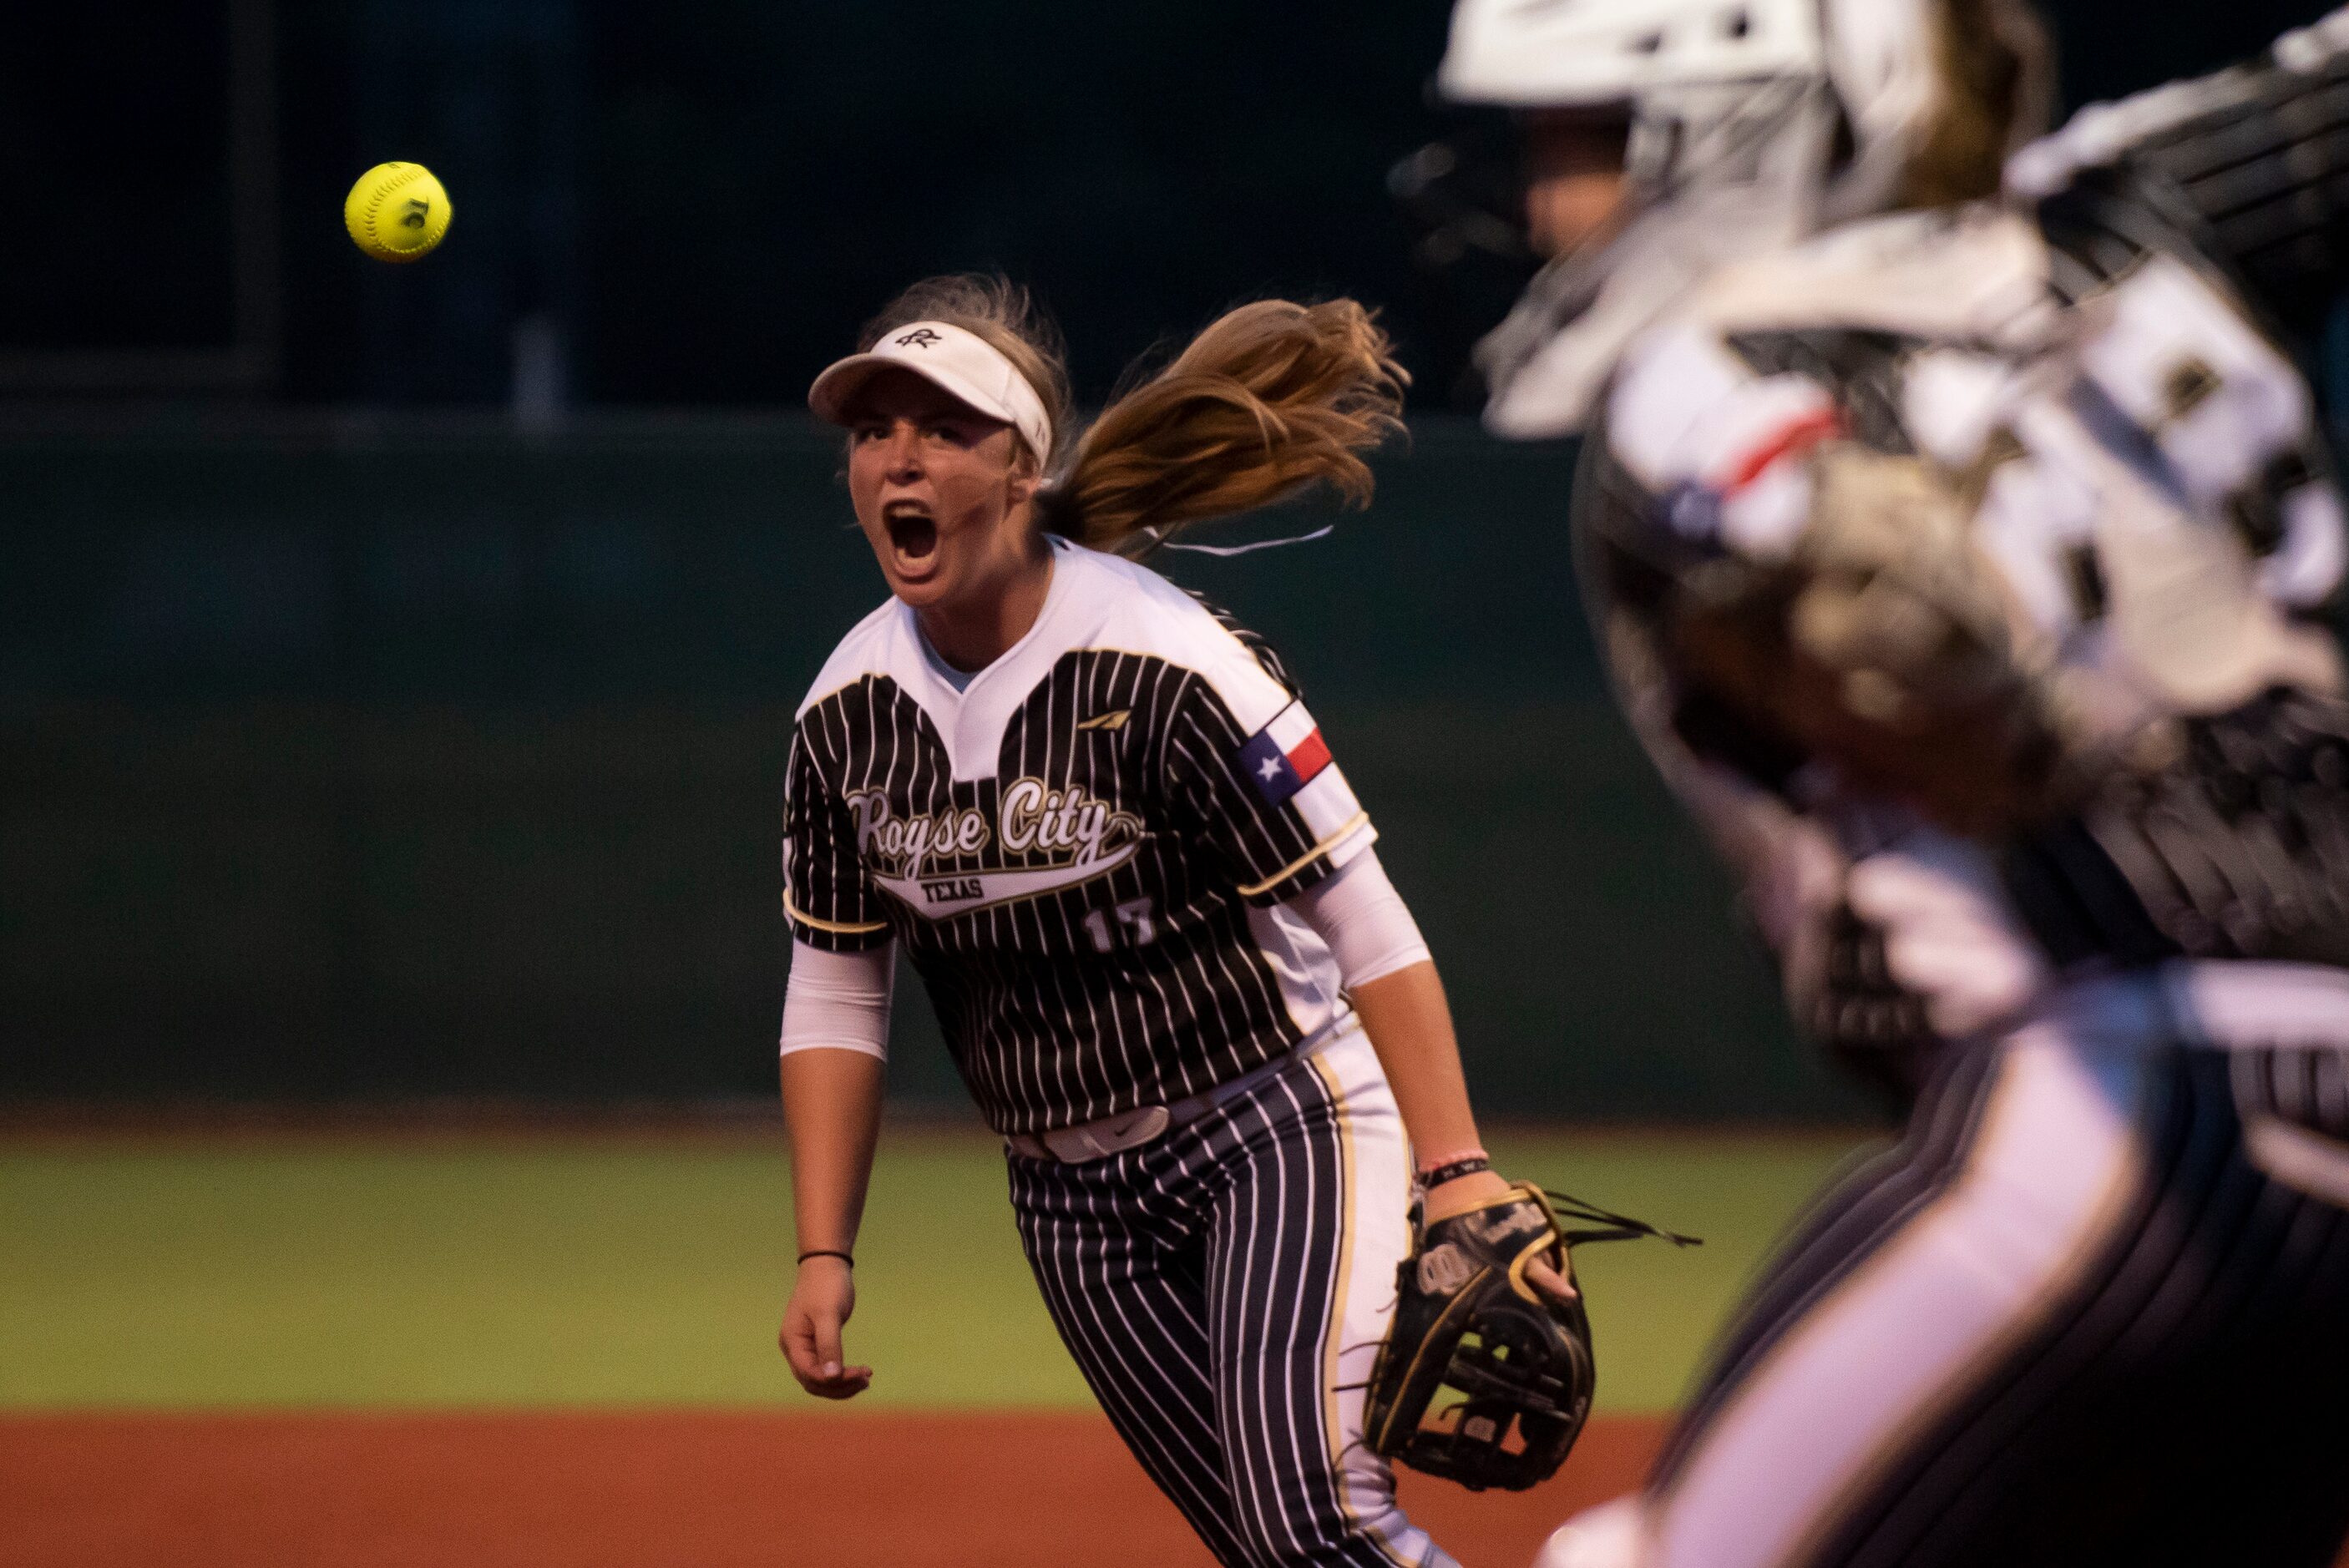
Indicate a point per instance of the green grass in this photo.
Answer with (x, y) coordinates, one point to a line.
(581, 1271)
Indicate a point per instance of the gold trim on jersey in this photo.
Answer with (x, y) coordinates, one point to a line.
(833, 926)
(1353, 825)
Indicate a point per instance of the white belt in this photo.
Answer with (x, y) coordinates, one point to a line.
(1111, 1135)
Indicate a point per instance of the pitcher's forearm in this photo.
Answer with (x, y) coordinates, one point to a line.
(831, 1110)
(1410, 1025)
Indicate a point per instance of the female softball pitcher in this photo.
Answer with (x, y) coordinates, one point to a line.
(1099, 819)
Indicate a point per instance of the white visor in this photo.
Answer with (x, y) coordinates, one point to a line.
(962, 363)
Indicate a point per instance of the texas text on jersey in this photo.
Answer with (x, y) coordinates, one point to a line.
(1083, 850)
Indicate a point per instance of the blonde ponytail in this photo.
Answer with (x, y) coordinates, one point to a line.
(1272, 398)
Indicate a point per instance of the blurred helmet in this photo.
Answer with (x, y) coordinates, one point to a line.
(1826, 97)
(1754, 124)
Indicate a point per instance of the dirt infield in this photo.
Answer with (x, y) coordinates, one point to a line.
(680, 1491)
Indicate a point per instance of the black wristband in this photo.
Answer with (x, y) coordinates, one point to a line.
(1453, 1171)
(827, 1252)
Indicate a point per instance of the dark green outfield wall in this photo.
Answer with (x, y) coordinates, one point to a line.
(347, 761)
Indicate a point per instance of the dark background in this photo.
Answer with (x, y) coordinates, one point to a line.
(395, 662)
(703, 198)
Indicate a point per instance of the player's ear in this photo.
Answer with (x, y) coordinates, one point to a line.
(1027, 477)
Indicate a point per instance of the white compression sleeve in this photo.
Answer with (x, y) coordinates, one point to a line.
(838, 1001)
(1369, 929)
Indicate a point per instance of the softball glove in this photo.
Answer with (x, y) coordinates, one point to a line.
(1483, 1377)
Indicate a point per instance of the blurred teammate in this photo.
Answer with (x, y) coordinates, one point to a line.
(1961, 561)
(1099, 821)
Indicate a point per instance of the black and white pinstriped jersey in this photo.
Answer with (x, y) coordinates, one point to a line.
(1085, 850)
(2131, 505)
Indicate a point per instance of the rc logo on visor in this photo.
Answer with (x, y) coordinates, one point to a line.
(920, 337)
(1285, 756)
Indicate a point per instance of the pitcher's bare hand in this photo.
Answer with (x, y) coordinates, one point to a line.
(820, 1307)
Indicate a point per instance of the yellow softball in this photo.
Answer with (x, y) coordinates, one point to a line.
(397, 212)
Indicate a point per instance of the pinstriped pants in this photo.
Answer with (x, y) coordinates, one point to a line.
(1220, 1288)
(2093, 1310)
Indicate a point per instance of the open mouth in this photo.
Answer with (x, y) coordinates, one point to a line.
(913, 536)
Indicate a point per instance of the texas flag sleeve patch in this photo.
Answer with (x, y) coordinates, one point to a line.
(1285, 756)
